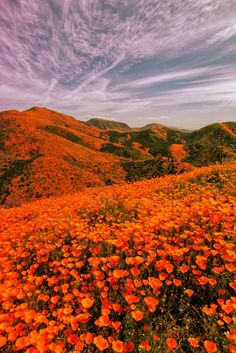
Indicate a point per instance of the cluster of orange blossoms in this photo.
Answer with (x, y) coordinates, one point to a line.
(143, 267)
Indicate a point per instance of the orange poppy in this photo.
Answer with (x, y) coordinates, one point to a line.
(3, 341)
(118, 346)
(210, 346)
(87, 303)
(193, 342)
(137, 315)
(171, 343)
(101, 343)
(151, 303)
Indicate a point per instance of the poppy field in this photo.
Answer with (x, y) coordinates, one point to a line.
(142, 267)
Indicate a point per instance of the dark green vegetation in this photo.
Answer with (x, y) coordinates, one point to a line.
(126, 151)
(57, 130)
(12, 170)
(210, 145)
(157, 145)
(148, 169)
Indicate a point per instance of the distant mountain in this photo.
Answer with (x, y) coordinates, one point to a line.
(157, 125)
(45, 153)
(104, 124)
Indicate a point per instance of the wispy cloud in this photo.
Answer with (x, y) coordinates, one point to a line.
(129, 59)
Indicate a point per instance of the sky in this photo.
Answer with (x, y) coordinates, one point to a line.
(137, 61)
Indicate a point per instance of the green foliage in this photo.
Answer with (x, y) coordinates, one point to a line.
(207, 146)
(57, 130)
(125, 152)
(148, 169)
(14, 170)
(231, 125)
(147, 139)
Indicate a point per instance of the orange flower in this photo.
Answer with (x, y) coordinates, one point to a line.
(189, 292)
(116, 325)
(209, 311)
(137, 315)
(55, 299)
(118, 346)
(232, 349)
(3, 341)
(154, 282)
(87, 303)
(120, 273)
(233, 285)
(228, 308)
(230, 267)
(151, 303)
(171, 343)
(131, 299)
(101, 343)
(67, 311)
(89, 338)
(210, 346)
(102, 321)
(135, 271)
(106, 311)
(145, 345)
(193, 342)
(184, 268)
(177, 282)
(72, 339)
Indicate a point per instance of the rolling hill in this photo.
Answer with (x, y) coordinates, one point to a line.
(214, 143)
(45, 153)
(109, 125)
(142, 267)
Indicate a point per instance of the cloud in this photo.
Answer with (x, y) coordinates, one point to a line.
(167, 77)
(126, 59)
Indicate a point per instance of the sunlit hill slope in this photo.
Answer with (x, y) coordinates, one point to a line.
(143, 267)
(45, 153)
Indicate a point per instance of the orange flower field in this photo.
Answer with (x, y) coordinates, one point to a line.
(143, 267)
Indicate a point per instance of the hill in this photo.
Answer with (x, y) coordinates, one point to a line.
(148, 266)
(44, 153)
(156, 125)
(211, 144)
(104, 124)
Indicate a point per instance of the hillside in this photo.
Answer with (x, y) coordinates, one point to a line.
(45, 153)
(145, 267)
(211, 144)
(104, 124)
(156, 125)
